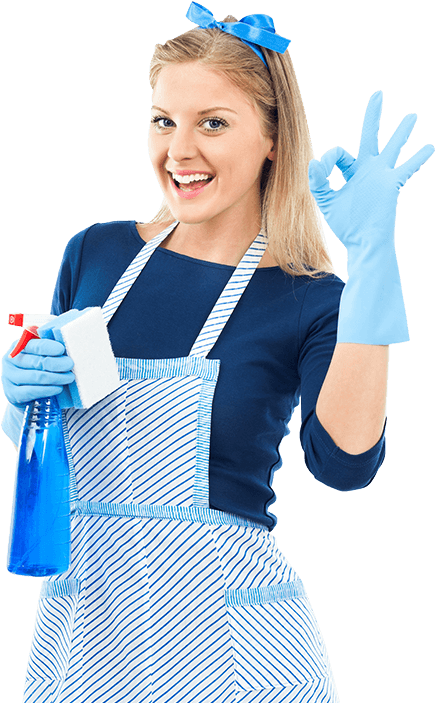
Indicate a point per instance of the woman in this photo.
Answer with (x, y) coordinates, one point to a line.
(176, 590)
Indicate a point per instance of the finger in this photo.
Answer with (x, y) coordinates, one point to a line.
(337, 156)
(25, 394)
(346, 163)
(369, 135)
(45, 347)
(317, 179)
(399, 138)
(407, 169)
(25, 377)
(58, 364)
(318, 171)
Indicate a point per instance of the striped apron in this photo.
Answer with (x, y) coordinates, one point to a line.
(167, 600)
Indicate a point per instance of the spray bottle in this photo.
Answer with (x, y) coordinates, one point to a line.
(40, 539)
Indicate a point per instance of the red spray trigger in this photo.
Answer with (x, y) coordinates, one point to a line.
(28, 334)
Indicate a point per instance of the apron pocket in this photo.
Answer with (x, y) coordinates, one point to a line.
(275, 637)
(50, 652)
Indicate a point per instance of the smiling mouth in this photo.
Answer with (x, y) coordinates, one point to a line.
(193, 185)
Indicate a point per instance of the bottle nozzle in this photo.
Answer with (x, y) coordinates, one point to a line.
(30, 323)
(16, 319)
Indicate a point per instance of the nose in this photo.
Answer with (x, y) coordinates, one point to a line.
(182, 145)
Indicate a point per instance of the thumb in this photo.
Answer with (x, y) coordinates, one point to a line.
(318, 182)
(316, 176)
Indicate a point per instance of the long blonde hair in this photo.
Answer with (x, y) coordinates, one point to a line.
(289, 212)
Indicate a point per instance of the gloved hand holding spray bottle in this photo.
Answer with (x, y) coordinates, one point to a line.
(39, 537)
(37, 377)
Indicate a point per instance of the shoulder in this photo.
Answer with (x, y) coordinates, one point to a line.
(320, 306)
(100, 237)
(310, 291)
(106, 231)
(110, 245)
(322, 292)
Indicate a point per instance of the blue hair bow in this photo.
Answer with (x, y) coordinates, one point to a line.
(253, 30)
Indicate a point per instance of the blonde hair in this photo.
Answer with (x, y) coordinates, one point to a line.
(289, 211)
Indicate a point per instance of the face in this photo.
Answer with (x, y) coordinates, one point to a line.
(192, 132)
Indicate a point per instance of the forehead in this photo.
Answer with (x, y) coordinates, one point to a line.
(192, 84)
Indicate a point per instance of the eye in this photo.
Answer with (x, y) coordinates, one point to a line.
(217, 123)
(155, 121)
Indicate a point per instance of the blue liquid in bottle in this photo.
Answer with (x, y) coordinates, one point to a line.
(40, 531)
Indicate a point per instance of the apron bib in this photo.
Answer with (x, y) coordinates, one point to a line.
(167, 600)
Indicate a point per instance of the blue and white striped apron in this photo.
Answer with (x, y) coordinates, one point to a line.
(167, 600)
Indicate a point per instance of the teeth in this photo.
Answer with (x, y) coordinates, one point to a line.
(191, 178)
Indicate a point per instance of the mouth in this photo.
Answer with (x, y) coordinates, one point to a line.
(192, 189)
(197, 183)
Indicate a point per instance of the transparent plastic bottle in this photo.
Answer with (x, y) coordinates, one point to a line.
(40, 539)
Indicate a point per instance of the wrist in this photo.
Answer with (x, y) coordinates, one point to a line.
(372, 258)
(372, 309)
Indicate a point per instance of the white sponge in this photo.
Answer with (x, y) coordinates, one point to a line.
(86, 339)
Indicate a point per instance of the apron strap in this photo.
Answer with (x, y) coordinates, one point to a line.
(222, 309)
(229, 297)
(132, 273)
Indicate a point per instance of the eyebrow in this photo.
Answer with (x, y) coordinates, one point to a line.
(202, 112)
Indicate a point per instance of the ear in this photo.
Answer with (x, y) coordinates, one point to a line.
(271, 154)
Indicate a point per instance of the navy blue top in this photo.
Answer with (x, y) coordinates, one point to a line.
(274, 351)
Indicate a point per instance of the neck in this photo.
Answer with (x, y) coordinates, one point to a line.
(218, 242)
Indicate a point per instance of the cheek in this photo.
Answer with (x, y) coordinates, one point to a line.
(247, 158)
(244, 170)
(154, 150)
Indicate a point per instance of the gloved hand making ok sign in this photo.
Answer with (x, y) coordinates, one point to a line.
(362, 214)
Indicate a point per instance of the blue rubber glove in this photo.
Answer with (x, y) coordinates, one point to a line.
(40, 371)
(362, 215)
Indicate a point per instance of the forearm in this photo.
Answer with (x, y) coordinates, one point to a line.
(352, 401)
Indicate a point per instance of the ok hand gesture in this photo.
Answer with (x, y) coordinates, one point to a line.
(363, 211)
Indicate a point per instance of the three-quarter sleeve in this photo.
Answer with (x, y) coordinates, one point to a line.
(318, 334)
